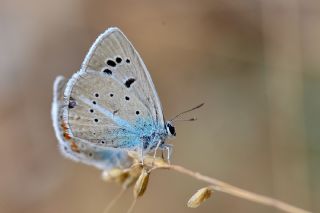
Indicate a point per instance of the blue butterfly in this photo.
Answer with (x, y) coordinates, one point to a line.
(110, 106)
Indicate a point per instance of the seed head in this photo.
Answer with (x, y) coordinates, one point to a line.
(141, 184)
(199, 197)
(115, 175)
(133, 175)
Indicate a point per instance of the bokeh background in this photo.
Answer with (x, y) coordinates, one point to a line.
(255, 63)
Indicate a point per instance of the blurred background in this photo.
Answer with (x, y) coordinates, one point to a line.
(255, 63)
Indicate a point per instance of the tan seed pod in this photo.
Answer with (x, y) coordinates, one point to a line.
(115, 175)
(141, 184)
(107, 176)
(133, 175)
(151, 161)
(199, 197)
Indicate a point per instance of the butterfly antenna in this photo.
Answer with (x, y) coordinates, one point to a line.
(190, 119)
(189, 110)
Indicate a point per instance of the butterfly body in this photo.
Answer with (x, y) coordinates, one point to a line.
(111, 106)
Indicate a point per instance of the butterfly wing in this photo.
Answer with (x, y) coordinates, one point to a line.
(112, 100)
(105, 159)
(112, 51)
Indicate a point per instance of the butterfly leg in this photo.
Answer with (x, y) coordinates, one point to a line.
(155, 151)
(169, 149)
(141, 153)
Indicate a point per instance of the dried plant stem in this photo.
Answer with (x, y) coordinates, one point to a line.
(132, 205)
(114, 201)
(221, 186)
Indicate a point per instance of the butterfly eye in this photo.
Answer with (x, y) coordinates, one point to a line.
(171, 129)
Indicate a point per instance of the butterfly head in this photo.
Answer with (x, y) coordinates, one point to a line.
(170, 129)
(169, 124)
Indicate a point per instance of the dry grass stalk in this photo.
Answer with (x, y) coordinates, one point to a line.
(221, 186)
(151, 164)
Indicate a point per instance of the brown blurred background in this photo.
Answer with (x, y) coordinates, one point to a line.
(255, 63)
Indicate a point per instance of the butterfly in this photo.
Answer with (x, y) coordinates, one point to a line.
(109, 107)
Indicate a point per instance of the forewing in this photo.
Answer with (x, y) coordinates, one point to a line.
(110, 93)
(112, 51)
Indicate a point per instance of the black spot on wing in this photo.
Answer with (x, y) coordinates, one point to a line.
(129, 82)
(107, 71)
(118, 60)
(72, 103)
(111, 63)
